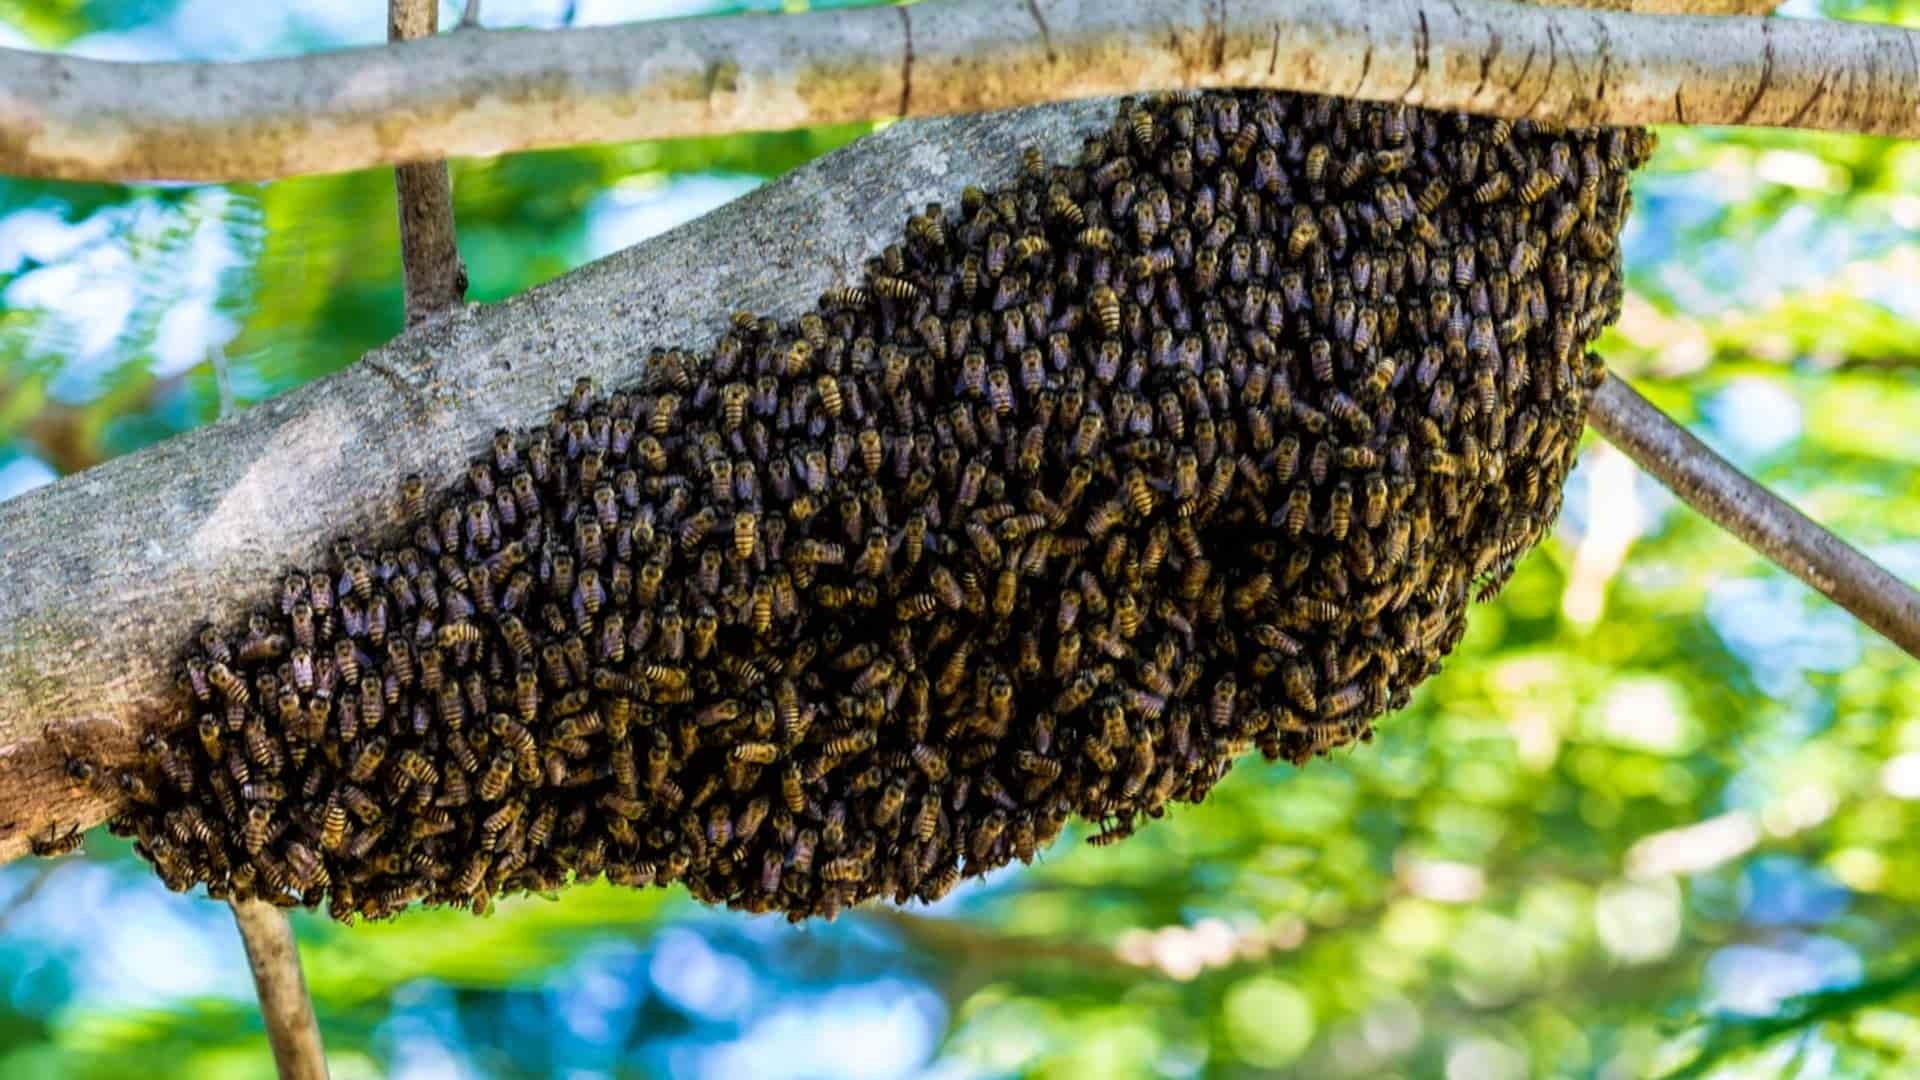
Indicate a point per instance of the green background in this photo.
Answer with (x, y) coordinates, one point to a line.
(1660, 815)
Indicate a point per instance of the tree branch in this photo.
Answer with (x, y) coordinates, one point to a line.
(1730, 499)
(108, 573)
(285, 1008)
(435, 278)
(479, 93)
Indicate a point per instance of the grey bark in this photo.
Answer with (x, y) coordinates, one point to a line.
(1765, 522)
(488, 92)
(106, 574)
(286, 1009)
(436, 279)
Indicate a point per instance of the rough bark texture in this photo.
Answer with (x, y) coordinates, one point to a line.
(436, 279)
(108, 573)
(483, 92)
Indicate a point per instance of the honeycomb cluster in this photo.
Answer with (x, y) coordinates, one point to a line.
(1199, 445)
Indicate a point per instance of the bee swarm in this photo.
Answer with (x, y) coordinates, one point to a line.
(1199, 445)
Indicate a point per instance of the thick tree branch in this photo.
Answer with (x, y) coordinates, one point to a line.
(108, 573)
(482, 92)
(1724, 495)
(435, 280)
(285, 1008)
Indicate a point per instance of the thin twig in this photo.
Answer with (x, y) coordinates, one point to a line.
(436, 279)
(1730, 499)
(484, 93)
(285, 1007)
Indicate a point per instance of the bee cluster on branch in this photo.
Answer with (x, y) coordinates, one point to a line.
(1196, 446)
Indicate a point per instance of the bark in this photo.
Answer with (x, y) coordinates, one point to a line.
(108, 573)
(484, 92)
(436, 280)
(285, 1008)
(1730, 499)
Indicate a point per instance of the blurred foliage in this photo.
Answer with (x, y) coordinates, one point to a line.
(1660, 816)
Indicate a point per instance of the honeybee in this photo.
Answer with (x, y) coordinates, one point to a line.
(1106, 308)
(1101, 754)
(1342, 701)
(1299, 504)
(1302, 234)
(230, 686)
(253, 836)
(940, 884)
(1298, 682)
(1340, 513)
(800, 856)
(931, 761)
(754, 753)
(926, 819)
(57, 843)
(791, 792)
(161, 755)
